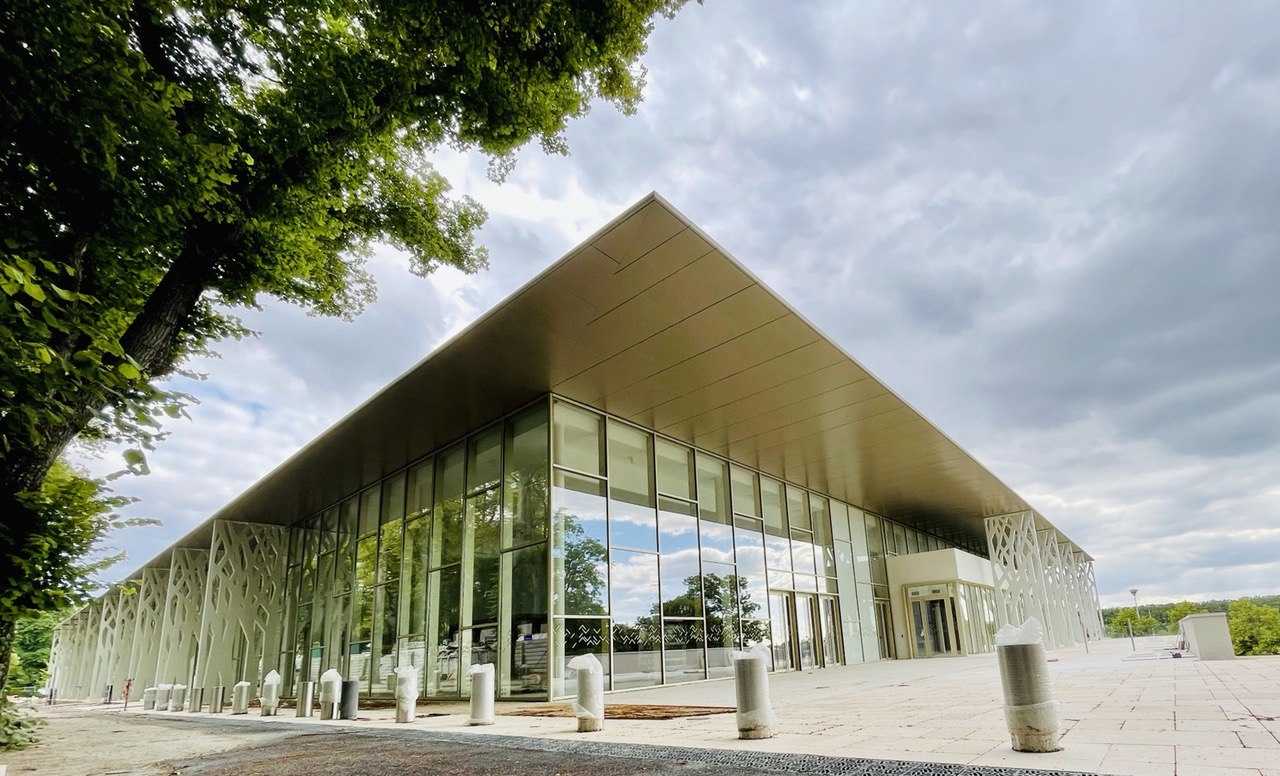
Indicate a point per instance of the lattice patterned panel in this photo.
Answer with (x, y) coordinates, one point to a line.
(74, 680)
(104, 653)
(240, 629)
(180, 629)
(126, 625)
(1015, 560)
(146, 638)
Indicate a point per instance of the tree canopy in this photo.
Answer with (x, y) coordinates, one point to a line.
(165, 161)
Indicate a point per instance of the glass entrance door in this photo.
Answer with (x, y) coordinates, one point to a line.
(781, 621)
(807, 630)
(932, 621)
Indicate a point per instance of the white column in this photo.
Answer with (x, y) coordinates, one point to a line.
(240, 619)
(146, 639)
(180, 628)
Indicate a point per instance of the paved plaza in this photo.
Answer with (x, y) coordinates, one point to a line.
(1138, 713)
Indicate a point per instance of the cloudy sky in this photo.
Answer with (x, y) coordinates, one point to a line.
(1054, 228)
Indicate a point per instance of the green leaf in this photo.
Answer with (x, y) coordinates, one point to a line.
(129, 370)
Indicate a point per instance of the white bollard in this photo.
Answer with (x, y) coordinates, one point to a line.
(481, 694)
(406, 693)
(178, 697)
(163, 691)
(270, 693)
(240, 698)
(149, 699)
(306, 698)
(751, 681)
(589, 707)
(330, 693)
(1029, 709)
(215, 699)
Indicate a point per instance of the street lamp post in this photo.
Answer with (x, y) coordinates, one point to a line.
(1134, 592)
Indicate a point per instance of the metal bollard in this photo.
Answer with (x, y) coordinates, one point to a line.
(196, 701)
(330, 693)
(240, 698)
(481, 694)
(270, 693)
(149, 699)
(589, 707)
(178, 697)
(349, 701)
(306, 698)
(751, 682)
(406, 693)
(107, 693)
(1029, 708)
(216, 696)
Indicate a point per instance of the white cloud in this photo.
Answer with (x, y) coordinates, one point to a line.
(1050, 227)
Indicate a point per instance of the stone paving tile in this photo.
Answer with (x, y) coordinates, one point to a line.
(1193, 769)
(1238, 758)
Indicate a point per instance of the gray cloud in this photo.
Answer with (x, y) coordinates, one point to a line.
(1050, 227)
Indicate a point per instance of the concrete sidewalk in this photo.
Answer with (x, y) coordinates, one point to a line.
(1124, 712)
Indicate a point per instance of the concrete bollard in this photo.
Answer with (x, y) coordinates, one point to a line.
(349, 701)
(481, 694)
(195, 701)
(149, 699)
(163, 691)
(406, 693)
(330, 693)
(178, 697)
(240, 698)
(589, 707)
(1029, 709)
(306, 698)
(270, 699)
(751, 682)
(217, 695)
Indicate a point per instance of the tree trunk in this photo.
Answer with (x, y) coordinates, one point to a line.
(7, 627)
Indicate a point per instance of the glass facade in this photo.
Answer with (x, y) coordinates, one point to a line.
(558, 531)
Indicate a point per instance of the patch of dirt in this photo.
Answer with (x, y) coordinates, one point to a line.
(623, 711)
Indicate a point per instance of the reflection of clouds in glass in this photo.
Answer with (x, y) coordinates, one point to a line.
(717, 542)
(803, 554)
(778, 552)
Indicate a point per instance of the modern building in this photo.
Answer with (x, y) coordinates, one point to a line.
(644, 454)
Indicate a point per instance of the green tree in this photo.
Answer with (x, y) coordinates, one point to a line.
(1180, 610)
(76, 513)
(33, 637)
(165, 161)
(1118, 626)
(1255, 629)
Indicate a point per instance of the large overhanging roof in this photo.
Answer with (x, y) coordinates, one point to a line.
(652, 321)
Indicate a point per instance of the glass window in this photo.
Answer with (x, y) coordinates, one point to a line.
(526, 499)
(683, 642)
(484, 459)
(713, 489)
(444, 645)
(524, 668)
(369, 508)
(415, 576)
(386, 600)
(720, 594)
(578, 439)
(575, 637)
(752, 587)
(803, 555)
(446, 535)
(772, 507)
(746, 497)
(578, 548)
(418, 498)
(840, 521)
(717, 541)
(824, 543)
(483, 510)
(390, 545)
(630, 469)
(675, 469)
(900, 538)
(328, 531)
(632, 526)
(798, 508)
(637, 655)
(392, 498)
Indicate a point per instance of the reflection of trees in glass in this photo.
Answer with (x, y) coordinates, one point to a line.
(718, 594)
(582, 559)
(526, 501)
(483, 511)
